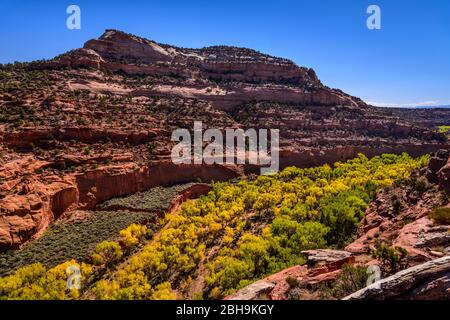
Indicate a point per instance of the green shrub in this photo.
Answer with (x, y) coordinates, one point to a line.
(155, 199)
(350, 280)
(341, 213)
(420, 184)
(292, 282)
(440, 215)
(392, 259)
(396, 204)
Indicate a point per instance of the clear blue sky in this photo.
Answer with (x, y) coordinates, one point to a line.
(406, 62)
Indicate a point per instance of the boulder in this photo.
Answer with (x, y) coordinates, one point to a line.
(321, 256)
(444, 177)
(437, 161)
(255, 291)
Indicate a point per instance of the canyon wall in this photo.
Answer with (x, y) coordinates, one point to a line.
(24, 217)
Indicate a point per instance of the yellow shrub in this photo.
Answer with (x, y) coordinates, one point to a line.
(132, 235)
(163, 291)
(35, 282)
(107, 253)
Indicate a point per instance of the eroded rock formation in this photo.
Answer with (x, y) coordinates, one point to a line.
(24, 216)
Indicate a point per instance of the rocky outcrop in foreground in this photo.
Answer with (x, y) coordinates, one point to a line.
(427, 281)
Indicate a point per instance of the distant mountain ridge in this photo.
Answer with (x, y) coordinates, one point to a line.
(433, 107)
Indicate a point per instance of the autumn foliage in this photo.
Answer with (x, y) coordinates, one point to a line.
(239, 232)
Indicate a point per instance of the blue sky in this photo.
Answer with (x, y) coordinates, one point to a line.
(407, 62)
